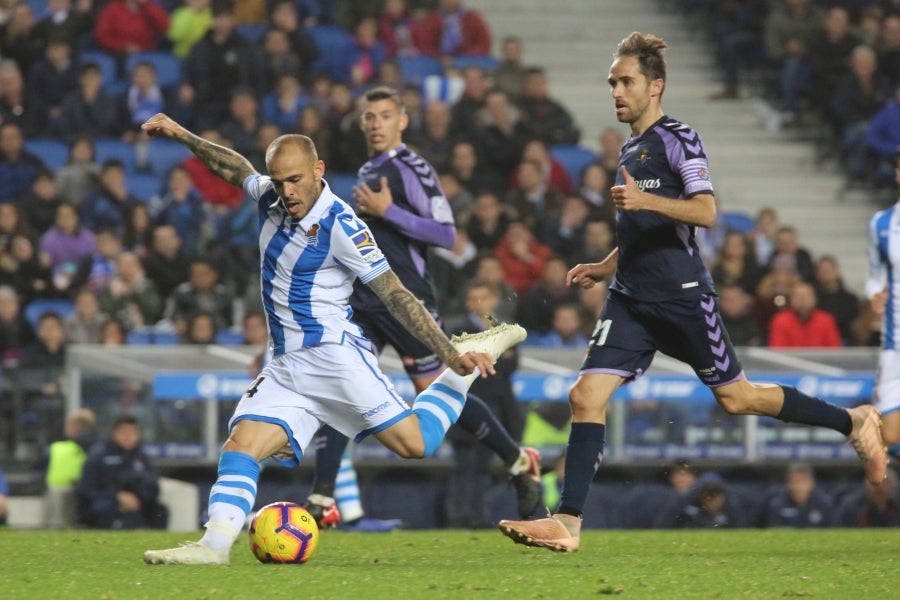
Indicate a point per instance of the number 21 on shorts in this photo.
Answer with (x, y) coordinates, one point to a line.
(598, 338)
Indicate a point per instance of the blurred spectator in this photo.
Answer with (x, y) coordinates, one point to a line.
(274, 58)
(762, 236)
(435, 143)
(130, 296)
(255, 329)
(285, 16)
(41, 202)
(85, 324)
(834, 298)
(735, 264)
(143, 99)
(352, 149)
(97, 270)
(66, 243)
(737, 33)
(408, 31)
(241, 128)
(708, 505)
(25, 269)
(217, 192)
(488, 222)
(533, 202)
(489, 269)
(61, 465)
(53, 76)
(81, 173)
(594, 187)
(883, 138)
(108, 207)
(466, 110)
(888, 47)
(389, 74)
(565, 234)
(42, 363)
(359, 66)
(553, 173)
(189, 23)
(202, 292)
(282, 106)
(451, 269)
(66, 19)
(215, 66)
(17, 39)
(18, 167)
(773, 291)
(736, 310)
(168, 263)
(266, 135)
(464, 31)
(4, 504)
(800, 504)
(130, 26)
(801, 324)
(502, 138)
(547, 118)
(510, 73)
(182, 207)
(113, 333)
(119, 488)
(540, 300)
(88, 111)
(461, 200)
(829, 56)
(592, 301)
(12, 221)
(15, 331)
(200, 329)
(464, 164)
(873, 506)
(597, 242)
(138, 235)
(611, 141)
(789, 29)
(313, 125)
(791, 254)
(522, 256)
(567, 330)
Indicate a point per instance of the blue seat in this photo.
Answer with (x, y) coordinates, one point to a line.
(36, 308)
(485, 62)
(252, 32)
(112, 148)
(341, 185)
(333, 42)
(415, 69)
(737, 221)
(144, 186)
(53, 152)
(573, 159)
(38, 8)
(107, 66)
(162, 155)
(140, 337)
(168, 67)
(229, 337)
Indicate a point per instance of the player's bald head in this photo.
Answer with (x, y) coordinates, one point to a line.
(292, 142)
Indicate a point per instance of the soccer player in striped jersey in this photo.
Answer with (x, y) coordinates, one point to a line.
(323, 369)
(662, 298)
(400, 199)
(883, 290)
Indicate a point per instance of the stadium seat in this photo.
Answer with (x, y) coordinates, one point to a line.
(737, 221)
(252, 32)
(162, 155)
(144, 186)
(168, 67)
(107, 66)
(331, 41)
(485, 62)
(229, 337)
(415, 69)
(437, 88)
(573, 159)
(36, 308)
(341, 185)
(140, 337)
(113, 148)
(53, 152)
(38, 8)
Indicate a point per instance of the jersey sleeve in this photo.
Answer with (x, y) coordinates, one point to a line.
(687, 157)
(259, 187)
(354, 247)
(876, 278)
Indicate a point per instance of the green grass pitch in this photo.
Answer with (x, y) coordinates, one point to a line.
(410, 565)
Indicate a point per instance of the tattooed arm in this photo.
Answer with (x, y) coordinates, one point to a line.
(407, 309)
(221, 161)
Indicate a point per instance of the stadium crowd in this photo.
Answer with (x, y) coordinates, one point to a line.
(108, 236)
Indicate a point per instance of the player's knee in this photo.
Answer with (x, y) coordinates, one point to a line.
(410, 448)
(734, 404)
(581, 401)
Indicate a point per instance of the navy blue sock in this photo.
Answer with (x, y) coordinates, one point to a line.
(800, 408)
(330, 446)
(481, 422)
(583, 456)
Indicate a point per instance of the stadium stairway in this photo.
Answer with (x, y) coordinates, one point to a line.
(752, 165)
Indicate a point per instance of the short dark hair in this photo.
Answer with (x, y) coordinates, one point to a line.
(125, 420)
(383, 92)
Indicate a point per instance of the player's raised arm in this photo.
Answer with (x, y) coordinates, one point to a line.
(407, 309)
(222, 162)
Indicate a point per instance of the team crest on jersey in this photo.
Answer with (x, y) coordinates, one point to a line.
(644, 156)
(312, 235)
(703, 173)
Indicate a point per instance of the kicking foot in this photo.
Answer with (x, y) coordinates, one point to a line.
(560, 533)
(190, 553)
(866, 440)
(324, 510)
(494, 341)
(526, 478)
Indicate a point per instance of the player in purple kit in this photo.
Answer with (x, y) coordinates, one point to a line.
(662, 298)
(400, 199)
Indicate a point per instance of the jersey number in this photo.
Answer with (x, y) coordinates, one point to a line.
(254, 387)
(601, 331)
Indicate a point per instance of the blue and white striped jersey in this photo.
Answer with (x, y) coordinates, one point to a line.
(884, 264)
(309, 266)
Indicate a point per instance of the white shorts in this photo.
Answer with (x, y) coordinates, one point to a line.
(336, 384)
(887, 388)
